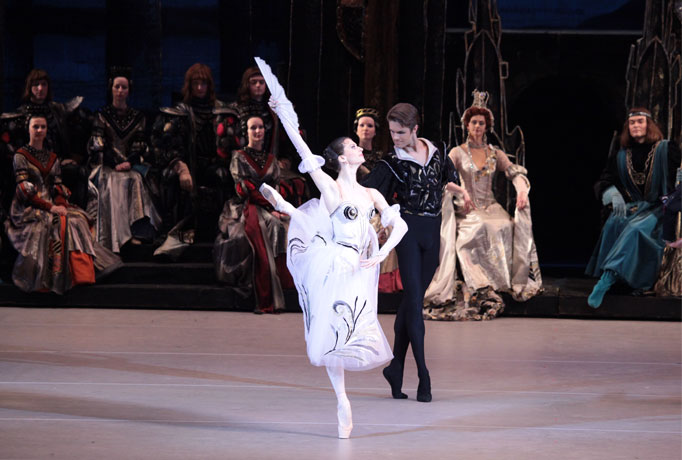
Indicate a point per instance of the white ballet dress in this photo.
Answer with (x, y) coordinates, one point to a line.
(337, 296)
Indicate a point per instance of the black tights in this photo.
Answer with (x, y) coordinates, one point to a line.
(417, 260)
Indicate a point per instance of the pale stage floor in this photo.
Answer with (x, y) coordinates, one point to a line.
(136, 384)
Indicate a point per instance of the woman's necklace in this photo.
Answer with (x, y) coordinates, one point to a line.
(488, 166)
(41, 155)
(476, 145)
(259, 156)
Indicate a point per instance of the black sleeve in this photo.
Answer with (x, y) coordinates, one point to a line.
(608, 177)
(450, 173)
(381, 178)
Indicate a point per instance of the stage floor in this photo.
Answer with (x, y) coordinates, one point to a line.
(138, 384)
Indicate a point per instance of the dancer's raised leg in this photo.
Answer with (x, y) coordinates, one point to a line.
(344, 414)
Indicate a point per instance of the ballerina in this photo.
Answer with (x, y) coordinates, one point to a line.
(333, 256)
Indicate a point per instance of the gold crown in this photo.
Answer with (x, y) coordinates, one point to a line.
(367, 112)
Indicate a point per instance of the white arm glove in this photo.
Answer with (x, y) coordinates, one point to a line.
(390, 217)
(285, 111)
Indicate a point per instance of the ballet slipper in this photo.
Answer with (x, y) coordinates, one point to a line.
(395, 380)
(424, 389)
(275, 199)
(345, 418)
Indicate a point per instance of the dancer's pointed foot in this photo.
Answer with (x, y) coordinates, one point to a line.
(345, 418)
(608, 278)
(395, 380)
(275, 199)
(424, 389)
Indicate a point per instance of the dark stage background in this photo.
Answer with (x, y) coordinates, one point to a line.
(566, 85)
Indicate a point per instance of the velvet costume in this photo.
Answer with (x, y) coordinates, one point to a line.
(632, 246)
(419, 191)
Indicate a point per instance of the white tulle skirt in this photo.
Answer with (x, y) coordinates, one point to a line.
(338, 298)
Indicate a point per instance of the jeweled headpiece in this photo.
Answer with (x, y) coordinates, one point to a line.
(35, 110)
(639, 114)
(367, 112)
(480, 99)
(480, 102)
(120, 71)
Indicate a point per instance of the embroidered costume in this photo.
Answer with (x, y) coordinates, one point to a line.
(250, 248)
(55, 252)
(495, 252)
(338, 298)
(630, 247)
(123, 204)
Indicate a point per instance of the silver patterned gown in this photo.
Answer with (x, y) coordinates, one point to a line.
(495, 251)
(122, 197)
(48, 244)
(251, 237)
(337, 296)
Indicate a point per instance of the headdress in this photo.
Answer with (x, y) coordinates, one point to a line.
(481, 102)
(367, 112)
(639, 113)
(33, 111)
(120, 71)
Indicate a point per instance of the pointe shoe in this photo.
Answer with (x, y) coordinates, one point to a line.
(424, 389)
(395, 380)
(275, 199)
(345, 418)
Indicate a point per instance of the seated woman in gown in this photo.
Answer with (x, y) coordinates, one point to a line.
(631, 244)
(495, 252)
(250, 249)
(56, 248)
(123, 205)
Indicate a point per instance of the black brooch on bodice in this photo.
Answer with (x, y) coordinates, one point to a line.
(351, 212)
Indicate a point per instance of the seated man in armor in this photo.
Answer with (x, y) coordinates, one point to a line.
(195, 176)
(252, 100)
(68, 131)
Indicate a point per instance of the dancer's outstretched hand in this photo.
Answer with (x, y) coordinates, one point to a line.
(372, 261)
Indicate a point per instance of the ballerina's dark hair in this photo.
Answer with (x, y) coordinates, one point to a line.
(332, 152)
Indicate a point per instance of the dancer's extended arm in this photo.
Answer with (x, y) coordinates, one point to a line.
(310, 163)
(390, 217)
